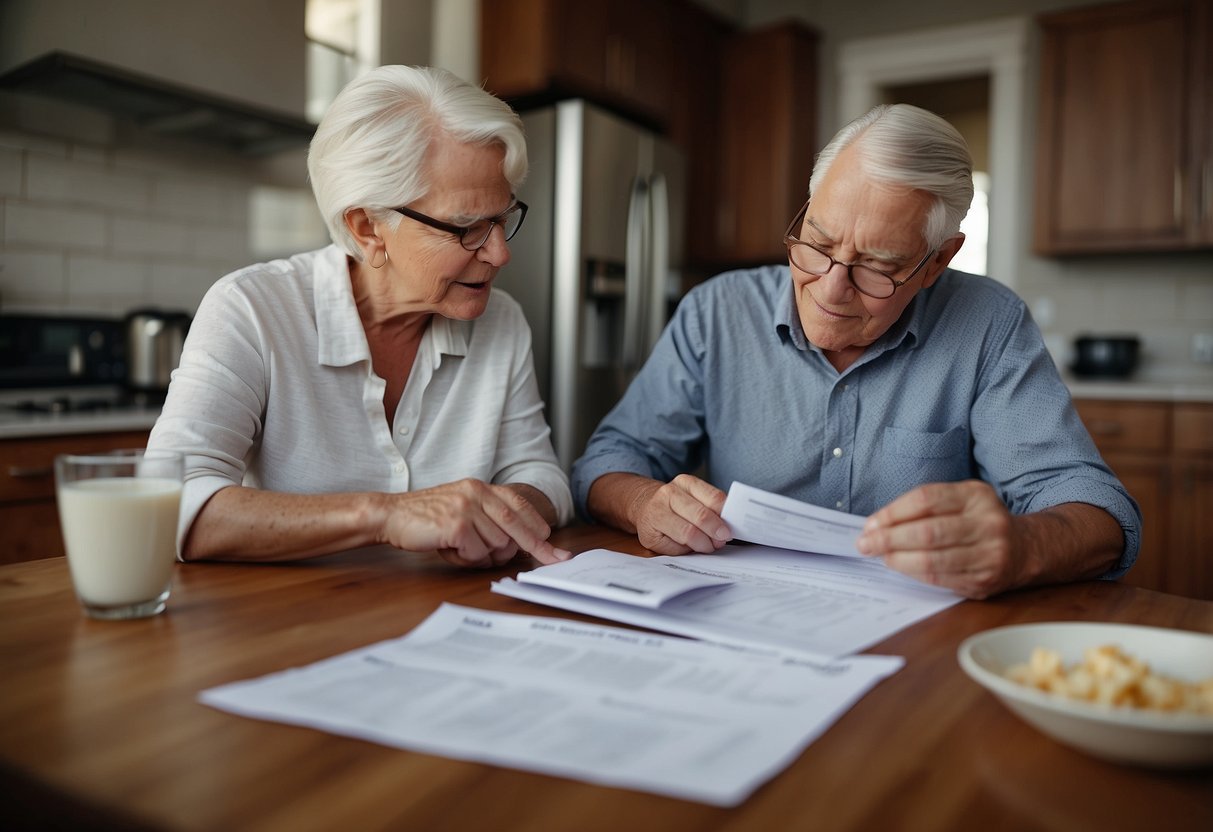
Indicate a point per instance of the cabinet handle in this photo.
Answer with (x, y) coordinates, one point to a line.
(1106, 427)
(1177, 205)
(1206, 191)
(30, 472)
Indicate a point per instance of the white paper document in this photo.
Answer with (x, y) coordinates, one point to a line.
(768, 519)
(642, 582)
(819, 604)
(688, 719)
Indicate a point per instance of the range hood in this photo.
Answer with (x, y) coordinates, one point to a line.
(159, 106)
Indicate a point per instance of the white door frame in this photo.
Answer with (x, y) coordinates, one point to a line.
(998, 48)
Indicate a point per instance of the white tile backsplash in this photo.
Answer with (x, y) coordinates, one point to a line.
(75, 182)
(32, 277)
(1196, 302)
(143, 235)
(102, 278)
(53, 227)
(11, 162)
(107, 225)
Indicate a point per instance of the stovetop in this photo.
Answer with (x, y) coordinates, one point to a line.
(33, 411)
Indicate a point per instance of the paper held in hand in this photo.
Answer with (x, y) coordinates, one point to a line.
(768, 519)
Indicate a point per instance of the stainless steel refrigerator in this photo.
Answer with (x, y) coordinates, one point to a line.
(597, 265)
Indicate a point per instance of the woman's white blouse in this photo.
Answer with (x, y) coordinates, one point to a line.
(275, 390)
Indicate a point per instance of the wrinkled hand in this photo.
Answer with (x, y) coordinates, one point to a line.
(955, 535)
(681, 516)
(469, 523)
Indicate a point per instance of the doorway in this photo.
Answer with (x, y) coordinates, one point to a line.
(992, 55)
(965, 103)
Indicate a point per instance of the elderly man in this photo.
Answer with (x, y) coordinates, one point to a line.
(870, 378)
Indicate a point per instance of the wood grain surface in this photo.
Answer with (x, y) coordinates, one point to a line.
(100, 727)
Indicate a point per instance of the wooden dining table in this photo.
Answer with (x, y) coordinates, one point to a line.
(101, 728)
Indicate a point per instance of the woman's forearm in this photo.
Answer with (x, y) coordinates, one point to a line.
(247, 524)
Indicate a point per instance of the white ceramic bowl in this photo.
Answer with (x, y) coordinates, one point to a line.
(1125, 735)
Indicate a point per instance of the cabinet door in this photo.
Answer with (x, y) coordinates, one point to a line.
(30, 532)
(1191, 558)
(29, 523)
(768, 140)
(1192, 502)
(1115, 122)
(1146, 480)
(617, 53)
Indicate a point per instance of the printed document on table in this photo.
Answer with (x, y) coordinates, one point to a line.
(616, 707)
(769, 519)
(626, 579)
(820, 604)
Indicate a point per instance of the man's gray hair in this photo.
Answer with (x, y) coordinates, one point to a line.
(907, 145)
(370, 149)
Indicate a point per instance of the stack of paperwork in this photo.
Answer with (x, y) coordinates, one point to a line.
(708, 721)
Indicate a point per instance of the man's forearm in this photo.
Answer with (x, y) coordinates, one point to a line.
(1068, 542)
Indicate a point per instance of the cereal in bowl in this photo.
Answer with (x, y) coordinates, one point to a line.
(1107, 675)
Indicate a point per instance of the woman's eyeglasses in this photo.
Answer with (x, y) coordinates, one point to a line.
(473, 236)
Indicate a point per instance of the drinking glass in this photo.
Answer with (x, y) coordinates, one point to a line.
(118, 511)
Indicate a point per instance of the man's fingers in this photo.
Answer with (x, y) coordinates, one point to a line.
(923, 501)
(689, 505)
(703, 491)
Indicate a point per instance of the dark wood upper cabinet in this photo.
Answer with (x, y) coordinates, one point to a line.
(741, 105)
(1124, 139)
(768, 140)
(611, 53)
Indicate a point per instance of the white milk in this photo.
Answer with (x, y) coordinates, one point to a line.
(121, 535)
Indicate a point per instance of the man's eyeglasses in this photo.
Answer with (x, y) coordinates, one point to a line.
(809, 259)
(477, 234)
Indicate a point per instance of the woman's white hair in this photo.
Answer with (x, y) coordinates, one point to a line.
(907, 145)
(369, 150)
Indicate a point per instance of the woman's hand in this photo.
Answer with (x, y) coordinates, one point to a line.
(469, 523)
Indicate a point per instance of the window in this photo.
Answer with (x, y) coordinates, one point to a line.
(343, 38)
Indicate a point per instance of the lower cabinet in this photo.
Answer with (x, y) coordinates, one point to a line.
(1163, 453)
(29, 521)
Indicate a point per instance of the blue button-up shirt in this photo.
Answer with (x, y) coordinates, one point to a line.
(960, 387)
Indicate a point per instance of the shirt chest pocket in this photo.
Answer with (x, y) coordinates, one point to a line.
(916, 444)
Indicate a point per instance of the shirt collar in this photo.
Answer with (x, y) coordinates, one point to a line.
(342, 340)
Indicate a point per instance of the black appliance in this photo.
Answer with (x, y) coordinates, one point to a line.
(39, 351)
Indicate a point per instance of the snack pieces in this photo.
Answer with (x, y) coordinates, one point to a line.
(1109, 676)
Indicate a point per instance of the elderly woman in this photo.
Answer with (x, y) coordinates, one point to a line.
(379, 390)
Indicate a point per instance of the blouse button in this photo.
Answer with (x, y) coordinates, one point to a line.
(837, 453)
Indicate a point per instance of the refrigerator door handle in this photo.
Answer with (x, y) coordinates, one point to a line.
(659, 262)
(634, 275)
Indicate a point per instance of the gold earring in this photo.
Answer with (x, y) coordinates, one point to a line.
(371, 262)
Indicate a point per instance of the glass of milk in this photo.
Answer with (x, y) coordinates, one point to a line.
(118, 511)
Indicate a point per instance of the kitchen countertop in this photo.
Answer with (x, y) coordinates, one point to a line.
(1159, 388)
(29, 425)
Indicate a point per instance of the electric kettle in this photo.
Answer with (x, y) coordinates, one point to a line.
(154, 338)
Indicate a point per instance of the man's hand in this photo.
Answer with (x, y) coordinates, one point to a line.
(680, 516)
(671, 518)
(956, 535)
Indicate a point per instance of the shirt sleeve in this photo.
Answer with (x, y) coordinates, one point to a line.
(657, 428)
(524, 450)
(1031, 445)
(213, 411)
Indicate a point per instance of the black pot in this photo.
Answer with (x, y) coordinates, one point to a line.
(1108, 356)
